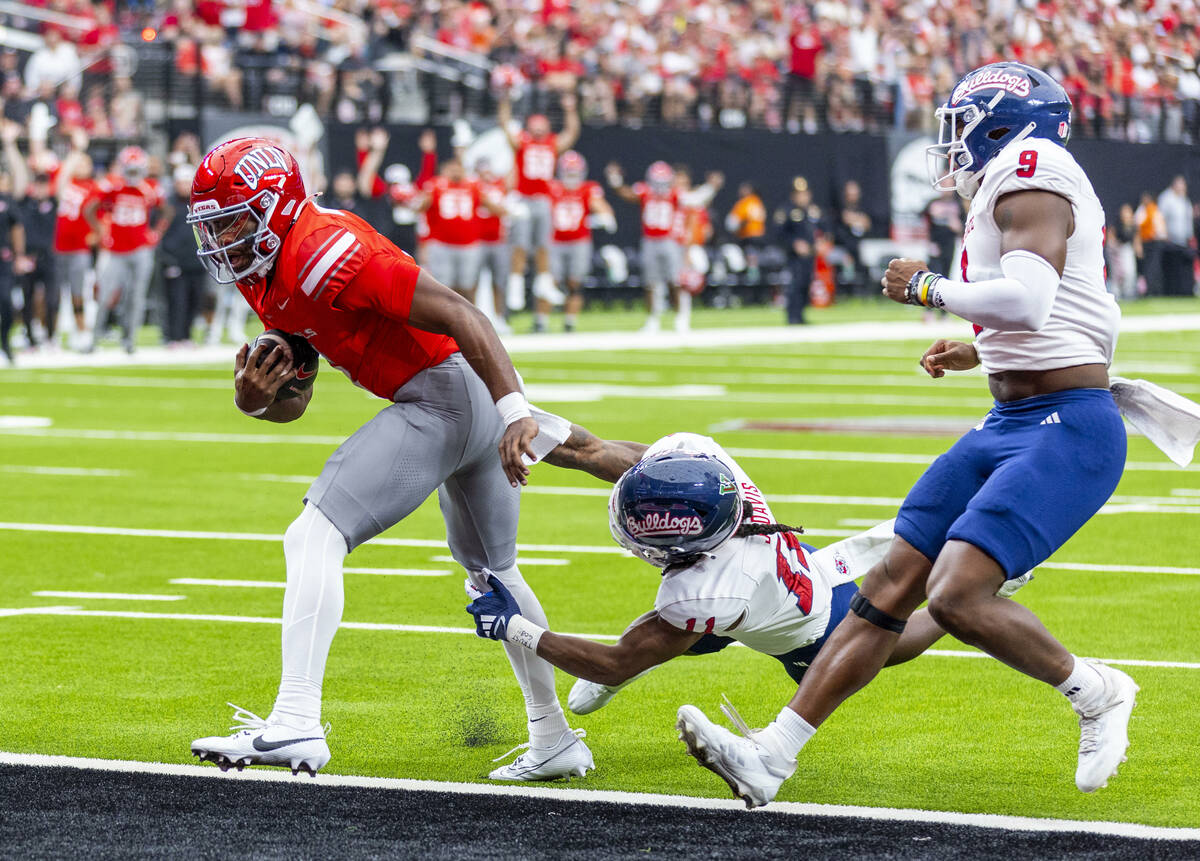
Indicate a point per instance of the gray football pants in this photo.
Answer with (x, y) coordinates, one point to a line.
(127, 274)
(440, 434)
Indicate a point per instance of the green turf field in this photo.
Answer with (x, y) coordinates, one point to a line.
(162, 449)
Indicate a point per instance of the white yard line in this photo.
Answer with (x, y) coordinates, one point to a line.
(521, 561)
(105, 596)
(609, 796)
(190, 534)
(251, 620)
(898, 458)
(1120, 569)
(401, 572)
(334, 441)
(442, 629)
(235, 584)
(65, 470)
(1122, 662)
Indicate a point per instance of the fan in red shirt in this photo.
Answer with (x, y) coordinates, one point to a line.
(126, 199)
(74, 238)
(536, 151)
(365, 305)
(573, 200)
(661, 253)
(451, 203)
(799, 92)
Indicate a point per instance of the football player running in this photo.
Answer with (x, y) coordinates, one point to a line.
(730, 573)
(371, 311)
(1040, 464)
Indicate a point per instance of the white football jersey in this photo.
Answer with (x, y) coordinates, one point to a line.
(1083, 323)
(765, 591)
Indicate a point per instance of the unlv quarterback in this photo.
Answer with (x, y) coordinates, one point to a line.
(1032, 472)
(373, 313)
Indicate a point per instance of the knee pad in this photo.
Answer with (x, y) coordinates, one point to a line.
(864, 609)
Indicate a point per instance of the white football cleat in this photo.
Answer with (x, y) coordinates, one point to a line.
(256, 742)
(570, 757)
(587, 697)
(1104, 730)
(753, 772)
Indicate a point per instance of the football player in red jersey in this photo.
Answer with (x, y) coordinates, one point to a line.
(74, 240)
(494, 255)
(394, 330)
(127, 197)
(536, 151)
(662, 256)
(573, 199)
(451, 204)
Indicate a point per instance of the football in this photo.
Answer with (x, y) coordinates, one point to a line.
(304, 357)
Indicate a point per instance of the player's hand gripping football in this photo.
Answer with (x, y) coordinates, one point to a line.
(492, 610)
(899, 273)
(516, 450)
(944, 355)
(259, 374)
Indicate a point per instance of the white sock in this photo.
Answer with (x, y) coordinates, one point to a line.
(787, 734)
(312, 611)
(685, 304)
(1083, 686)
(658, 298)
(547, 722)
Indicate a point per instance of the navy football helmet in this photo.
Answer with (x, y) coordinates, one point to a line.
(988, 109)
(672, 506)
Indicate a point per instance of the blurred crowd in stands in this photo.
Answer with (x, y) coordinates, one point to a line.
(1129, 65)
(92, 195)
(846, 65)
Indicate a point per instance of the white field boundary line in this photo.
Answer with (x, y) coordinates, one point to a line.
(608, 796)
(836, 333)
(443, 629)
(335, 441)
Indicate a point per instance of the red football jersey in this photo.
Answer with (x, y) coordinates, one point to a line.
(535, 164)
(451, 212)
(71, 229)
(658, 211)
(128, 213)
(491, 228)
(349, 291)
(569, 208)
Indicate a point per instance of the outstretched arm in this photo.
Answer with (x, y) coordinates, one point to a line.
(606, 459)
(570, 132)
(504, 120)
(646, 643)
(616, 181)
